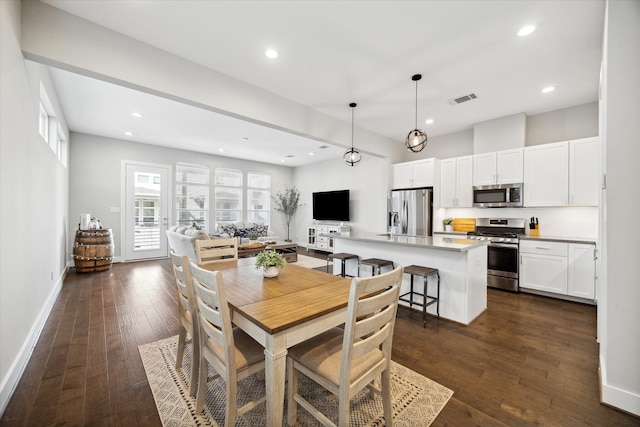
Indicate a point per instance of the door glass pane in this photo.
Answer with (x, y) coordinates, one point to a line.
(147, 211)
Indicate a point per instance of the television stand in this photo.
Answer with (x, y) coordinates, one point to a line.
(319, 236)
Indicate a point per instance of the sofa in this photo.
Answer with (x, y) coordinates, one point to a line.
(243, 229)
(182, 240)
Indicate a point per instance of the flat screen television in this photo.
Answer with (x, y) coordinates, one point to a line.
(331, 205)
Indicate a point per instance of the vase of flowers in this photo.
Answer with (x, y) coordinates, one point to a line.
(270, 262)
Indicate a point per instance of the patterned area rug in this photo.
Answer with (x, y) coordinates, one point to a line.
(417, 400)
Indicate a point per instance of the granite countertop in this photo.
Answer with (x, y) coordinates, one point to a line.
(439, 243)
(586, 240)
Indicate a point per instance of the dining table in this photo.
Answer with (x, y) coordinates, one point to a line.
(280, 312)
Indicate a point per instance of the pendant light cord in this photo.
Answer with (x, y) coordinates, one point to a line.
(416, 104)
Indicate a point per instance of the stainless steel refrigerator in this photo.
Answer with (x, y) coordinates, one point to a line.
(410, 212)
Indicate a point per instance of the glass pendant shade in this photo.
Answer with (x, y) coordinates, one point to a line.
(416, 139)
(352, 156)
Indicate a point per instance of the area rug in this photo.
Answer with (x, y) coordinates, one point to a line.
(417, 400)
(310, 262)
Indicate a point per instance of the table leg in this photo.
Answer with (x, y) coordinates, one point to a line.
(275, 366)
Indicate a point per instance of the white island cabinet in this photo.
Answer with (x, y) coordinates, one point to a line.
(462, 264)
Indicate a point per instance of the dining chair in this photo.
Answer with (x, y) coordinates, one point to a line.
(187, 316)
(344, 361)
(216, 250)
(233, 354)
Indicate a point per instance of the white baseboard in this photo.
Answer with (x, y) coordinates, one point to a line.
(616, 397)
(10, 381)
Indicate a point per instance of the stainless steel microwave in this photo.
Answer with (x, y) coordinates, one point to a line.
(497, 196)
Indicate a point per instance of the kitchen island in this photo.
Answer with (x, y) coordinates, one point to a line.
(462, 264)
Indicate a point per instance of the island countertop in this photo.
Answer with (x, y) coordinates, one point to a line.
(440, 243)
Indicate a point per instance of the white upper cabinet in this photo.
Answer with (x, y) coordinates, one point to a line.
(456, 182)
(501, 167)
(584, 172)
(563, 173)
(418, 173)
(546, 174)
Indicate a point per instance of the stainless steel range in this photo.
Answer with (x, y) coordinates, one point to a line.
(502, 253)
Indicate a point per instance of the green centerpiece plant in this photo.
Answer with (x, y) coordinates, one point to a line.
(270, 261)
(287, 202)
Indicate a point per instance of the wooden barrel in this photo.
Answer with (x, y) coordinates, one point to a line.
(93, 250)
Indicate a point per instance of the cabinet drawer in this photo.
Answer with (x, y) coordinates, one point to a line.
(544, 248)
(322, 245)
(322, 229)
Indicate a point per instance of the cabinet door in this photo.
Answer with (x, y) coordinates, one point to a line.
(584, 172)
(423, 173)
(448, 183)
(510, 166)
(464, 181)
(311, 237)
(402, 175)
(581, 274)
(544, 273)
(546, 174)
(484, 169)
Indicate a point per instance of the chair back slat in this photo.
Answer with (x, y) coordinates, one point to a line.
(216, 250)
(182, 274)
(373, 303)
(214, 312)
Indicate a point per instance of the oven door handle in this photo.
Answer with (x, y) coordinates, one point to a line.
(504, 245)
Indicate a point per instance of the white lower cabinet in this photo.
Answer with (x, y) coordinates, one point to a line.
(557, 267)
(582, 272)
(320, 236)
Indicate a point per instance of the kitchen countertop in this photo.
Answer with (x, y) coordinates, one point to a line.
(586, 240)
(435, 242)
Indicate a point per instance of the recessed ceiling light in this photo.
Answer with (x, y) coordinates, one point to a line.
(429, 121)
(548, 89)
(312, 153)
(221, 150)
(136, 114)
(128, 133)
(282, 161)
(526, 30)
(271, 53)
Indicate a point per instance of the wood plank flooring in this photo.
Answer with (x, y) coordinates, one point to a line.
(526, 361)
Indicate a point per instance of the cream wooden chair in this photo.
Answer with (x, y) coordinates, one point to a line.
(216, 250)
(232, 353)
(187, 315)
(346, 361)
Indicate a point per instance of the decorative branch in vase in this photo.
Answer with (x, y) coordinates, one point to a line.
(287, 202)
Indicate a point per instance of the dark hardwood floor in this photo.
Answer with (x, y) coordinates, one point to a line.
(527, 361)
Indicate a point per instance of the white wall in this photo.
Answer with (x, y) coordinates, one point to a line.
(580, 121)
(95, 177)
(33, 206)
(368, 183)
(618, 313)
(498, 134)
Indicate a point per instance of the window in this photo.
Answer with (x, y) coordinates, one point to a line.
(228, 195)
(192, 195)
(44, 123)
(258, 197)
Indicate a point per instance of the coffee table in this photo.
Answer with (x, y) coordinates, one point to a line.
(251, 249)
(288, 249)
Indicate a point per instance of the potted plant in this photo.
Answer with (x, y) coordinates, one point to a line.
(253, 236)
(448, 224)
(270, 261)
(287, 202)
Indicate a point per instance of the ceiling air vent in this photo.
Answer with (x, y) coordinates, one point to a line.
(461, 99)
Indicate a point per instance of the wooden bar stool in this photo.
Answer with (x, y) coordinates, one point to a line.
(375, 263)
(426, 300)
(343, 257)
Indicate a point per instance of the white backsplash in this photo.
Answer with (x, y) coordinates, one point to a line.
(557, 222)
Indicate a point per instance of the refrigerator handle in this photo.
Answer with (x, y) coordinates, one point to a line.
(405, 214)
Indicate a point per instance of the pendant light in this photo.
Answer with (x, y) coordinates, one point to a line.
(416, 139)
(352, 157)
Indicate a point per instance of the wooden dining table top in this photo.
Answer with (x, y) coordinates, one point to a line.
(296, 295)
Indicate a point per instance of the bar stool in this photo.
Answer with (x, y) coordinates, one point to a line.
(375, 263)
(427, 300)
(343, 257)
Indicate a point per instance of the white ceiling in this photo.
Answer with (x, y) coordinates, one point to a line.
(336, 52)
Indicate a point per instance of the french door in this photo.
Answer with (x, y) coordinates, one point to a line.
(146, 218)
